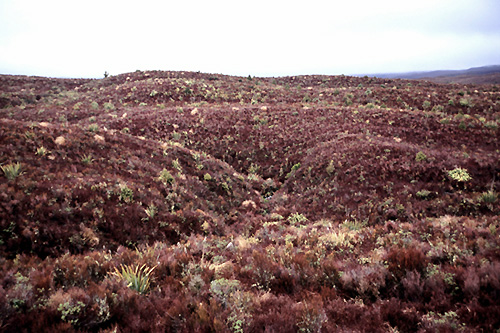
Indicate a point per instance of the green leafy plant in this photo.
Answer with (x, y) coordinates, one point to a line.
(137, 278)
(176, 136)
(330, 168)
(177, 165)
(41, 151)
(491, 125)
(151, 211)
(462, 125)
(423, 194)
(254, 168)
(223, 288)
(108, 106)
(29, 135)
(353, 225)
(70, 311)
(488, 197)
(77, 106)
(296, 219)
(93, 128)
(87, 159)
(166, 177)
(295, 167)
(459, 174)
(12, 170)
(126, 194)
(420, 157)
(437, 108)
(464, 102)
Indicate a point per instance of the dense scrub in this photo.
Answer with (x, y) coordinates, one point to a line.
(181, 201)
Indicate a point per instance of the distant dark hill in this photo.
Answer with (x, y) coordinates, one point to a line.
(491, 78)
(475, 75)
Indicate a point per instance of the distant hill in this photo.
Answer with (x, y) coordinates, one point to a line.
(475, 75)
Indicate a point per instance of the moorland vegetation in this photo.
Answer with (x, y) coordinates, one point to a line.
(179, 201)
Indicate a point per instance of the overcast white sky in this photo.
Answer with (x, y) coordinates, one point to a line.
(62, 38)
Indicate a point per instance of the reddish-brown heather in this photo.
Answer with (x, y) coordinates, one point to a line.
(305, 203)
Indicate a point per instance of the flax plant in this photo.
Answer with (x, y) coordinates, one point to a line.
(12, 170)
(137, 278)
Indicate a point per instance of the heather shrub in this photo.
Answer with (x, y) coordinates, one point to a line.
(223, 288)
(489, 280)
(313, 316)
(83, 309)
(400, 315)
(263, 271)
(364, 281)
(447, 321)
(353, 315)
(471, 283)
(413, 286)
(230, 295)
(21, 296)
(276, 313)
(80, 270)
(403, 260)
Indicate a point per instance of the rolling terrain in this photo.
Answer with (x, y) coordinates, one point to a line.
(179, 201)
(475, 75)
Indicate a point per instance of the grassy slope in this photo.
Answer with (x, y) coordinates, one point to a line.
(297, 197)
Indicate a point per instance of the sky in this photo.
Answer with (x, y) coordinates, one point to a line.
(61, 38)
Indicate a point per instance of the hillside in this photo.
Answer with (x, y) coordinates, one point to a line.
(492, 78)
(475, 75)
(182, 201)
